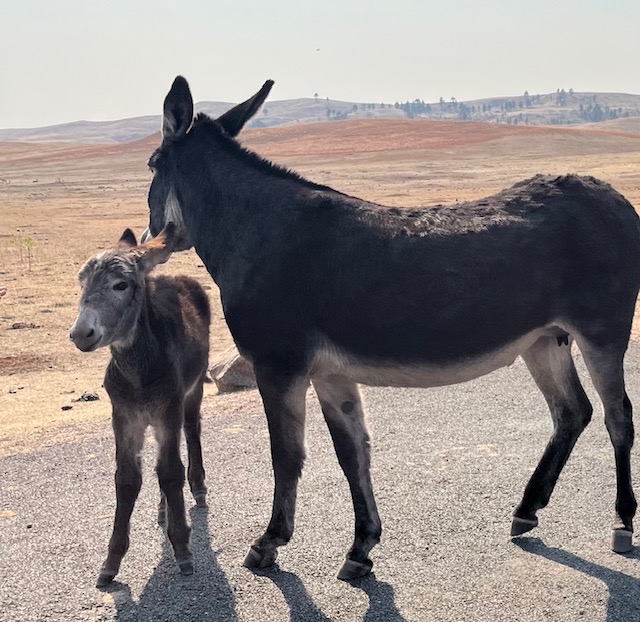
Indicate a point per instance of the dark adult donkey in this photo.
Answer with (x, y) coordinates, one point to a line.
(323, 287)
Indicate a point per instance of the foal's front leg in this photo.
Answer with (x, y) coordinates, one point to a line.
(170, 472)
(284, 404)
(129, 436)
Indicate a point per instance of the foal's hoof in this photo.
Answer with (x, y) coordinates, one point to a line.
(258, 559)
(104, 578)
(201, 499)
(352, 569)
(522, 525)
(621, 540)
(186, 567)
(162, 516)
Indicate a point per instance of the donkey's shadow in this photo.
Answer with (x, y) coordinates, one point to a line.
(624, 590)
(382, 605)
(205, 595)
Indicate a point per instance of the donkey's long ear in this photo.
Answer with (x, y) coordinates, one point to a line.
(234, 120)
(128, 239)
(178, 110)
(159, 249)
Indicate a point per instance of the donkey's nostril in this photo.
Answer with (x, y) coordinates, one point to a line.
(91, 333)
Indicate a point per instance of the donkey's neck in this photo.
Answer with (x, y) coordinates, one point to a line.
(227, 202)
(136, 353)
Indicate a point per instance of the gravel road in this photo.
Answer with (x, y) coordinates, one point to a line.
(449, 466)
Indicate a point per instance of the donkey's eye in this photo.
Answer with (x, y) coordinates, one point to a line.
(120, 287)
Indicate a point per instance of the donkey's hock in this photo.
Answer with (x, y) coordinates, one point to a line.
(158, 331)
(322, 287)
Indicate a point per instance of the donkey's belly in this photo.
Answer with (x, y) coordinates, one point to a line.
(331, 360)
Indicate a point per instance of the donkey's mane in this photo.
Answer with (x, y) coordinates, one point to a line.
(205, 122)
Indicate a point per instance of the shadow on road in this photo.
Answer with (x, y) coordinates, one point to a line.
(205, 595)
(301, 606)
(382, 604)
(624, 590)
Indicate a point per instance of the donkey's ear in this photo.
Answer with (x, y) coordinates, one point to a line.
(178, 110)
(159, 249)
(128, 239)
(234, 120)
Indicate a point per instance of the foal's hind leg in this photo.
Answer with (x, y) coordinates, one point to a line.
(605, 364)
(192, 430)
(343, 412)
(284, 404)
(551, 366)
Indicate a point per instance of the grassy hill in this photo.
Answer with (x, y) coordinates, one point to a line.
(560, 108)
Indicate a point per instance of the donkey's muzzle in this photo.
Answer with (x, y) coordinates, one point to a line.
(85, 332)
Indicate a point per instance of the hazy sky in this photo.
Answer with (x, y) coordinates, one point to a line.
(65, 60)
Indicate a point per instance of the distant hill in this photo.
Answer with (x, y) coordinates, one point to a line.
(609, 110)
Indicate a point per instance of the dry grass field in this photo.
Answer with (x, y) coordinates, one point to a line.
(61, 203)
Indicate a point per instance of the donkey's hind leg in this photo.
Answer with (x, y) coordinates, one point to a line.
(192, 430)
(552, 368)
(343, 412)
(283, 396)
(605, 364)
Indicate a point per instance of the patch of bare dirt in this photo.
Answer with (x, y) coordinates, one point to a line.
(20, 363)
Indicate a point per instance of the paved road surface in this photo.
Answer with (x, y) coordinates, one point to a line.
(449, 466)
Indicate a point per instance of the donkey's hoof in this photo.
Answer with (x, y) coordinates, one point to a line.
(352, 569)
(522, 525)
(258, 559)
(186, 567)
(104, 578)
(621, 540)
(162, 517)
(201, 499)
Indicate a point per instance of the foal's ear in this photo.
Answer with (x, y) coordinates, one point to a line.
(128, 239)
(178, 110)
(159, 249)
(234, 120)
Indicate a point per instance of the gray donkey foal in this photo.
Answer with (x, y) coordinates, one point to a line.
(158, 330)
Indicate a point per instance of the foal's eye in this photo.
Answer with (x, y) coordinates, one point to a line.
(120, 287)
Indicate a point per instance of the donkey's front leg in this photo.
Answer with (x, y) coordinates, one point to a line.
(343, 412)
(170, 472)
(284, 403)
(129, 436)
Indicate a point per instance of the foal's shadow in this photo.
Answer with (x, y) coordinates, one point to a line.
(204, 595)
(624, 590)
(382, 607)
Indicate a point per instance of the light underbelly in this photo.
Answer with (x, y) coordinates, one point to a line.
(330, 360)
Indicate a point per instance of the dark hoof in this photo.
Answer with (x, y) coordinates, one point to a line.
(201, 500)
(162, 517)
(186, 567)
(105, 578)
(522, 525)
(621, 540)
(352, 569)
(258, 559)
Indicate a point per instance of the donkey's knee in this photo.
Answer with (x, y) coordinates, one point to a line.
(618, 419)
